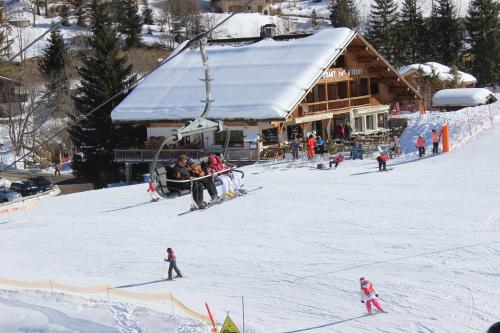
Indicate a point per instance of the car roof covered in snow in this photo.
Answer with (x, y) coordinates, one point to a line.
(462, 97)
(264, 80)
(444, 73)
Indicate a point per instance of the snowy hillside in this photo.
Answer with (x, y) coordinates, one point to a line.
(426, 234)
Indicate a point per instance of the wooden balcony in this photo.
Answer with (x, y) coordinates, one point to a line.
(337, 104)
(171, 155)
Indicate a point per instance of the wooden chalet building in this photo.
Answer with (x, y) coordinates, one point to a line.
(275, 88)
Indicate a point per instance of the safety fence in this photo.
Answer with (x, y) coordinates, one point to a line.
(20, 206)
(107, 290)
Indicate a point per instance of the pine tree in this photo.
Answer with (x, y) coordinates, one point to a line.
(382, 27)
(130, 23)
(344, 13)
(411, 34)
(53, 66)
(446, 33)
(81, 13)
(64, 12)
(104, 73)
(483, 36)
(147, 13)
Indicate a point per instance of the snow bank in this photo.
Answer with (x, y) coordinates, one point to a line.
(463, 125)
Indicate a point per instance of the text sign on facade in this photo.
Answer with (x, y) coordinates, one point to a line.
(341, 73)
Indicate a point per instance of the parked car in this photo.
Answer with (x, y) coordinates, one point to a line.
(26, 188)
(42, 182)
(7, 195)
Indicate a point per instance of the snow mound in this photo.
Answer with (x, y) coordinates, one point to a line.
(463, 125)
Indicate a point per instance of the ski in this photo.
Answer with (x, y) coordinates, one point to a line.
(225, 200)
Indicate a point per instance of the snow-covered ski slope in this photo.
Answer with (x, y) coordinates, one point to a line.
(426, 234)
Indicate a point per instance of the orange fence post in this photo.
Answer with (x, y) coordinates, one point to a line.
(211, 318)
(446, 138)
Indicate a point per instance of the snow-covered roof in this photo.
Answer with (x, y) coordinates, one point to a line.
(462, 97)
(443, 72)
(264, 80)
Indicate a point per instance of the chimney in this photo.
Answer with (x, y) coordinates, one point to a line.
(268, 31)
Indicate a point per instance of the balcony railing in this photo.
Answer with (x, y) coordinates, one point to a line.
(338, 104)
(171, 155)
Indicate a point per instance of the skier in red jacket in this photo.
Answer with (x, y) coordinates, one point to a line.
(382, 162)
(172, 259)
(152, 191)
(369, 295)
(311, 143)
(420, 146)
(337, 161)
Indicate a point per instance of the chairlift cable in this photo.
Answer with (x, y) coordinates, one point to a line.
(133, 85)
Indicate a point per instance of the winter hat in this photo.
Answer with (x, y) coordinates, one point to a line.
(361, 279)
(169, 249)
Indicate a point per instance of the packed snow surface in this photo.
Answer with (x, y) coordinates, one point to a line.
(426, 234)
(462, 97)
(263, 80)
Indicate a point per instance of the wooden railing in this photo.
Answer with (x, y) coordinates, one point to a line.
(338, 104)
(171, 155)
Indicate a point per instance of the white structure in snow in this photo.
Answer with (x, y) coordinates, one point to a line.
(452, 99)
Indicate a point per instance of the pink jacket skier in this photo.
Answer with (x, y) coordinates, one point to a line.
(369, 295)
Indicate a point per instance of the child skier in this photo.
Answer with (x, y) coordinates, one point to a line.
(436, 137)
(172, 259)
(152, 191)
(368, 295)
(339, 159)
(420, 146)
(382, 161)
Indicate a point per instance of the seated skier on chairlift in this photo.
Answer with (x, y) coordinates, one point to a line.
(234, 176)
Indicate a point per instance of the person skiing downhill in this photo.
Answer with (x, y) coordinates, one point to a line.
(369, 295)
(152, 191)
(172, 259)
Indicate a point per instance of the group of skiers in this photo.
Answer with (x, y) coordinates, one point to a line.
(368, 294)
(313, 144)
(420, 144)
(198, 175)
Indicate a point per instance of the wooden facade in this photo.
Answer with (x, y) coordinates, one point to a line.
(231, 6)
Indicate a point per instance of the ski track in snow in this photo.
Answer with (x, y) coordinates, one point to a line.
(425, 233)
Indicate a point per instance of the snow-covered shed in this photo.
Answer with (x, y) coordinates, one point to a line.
(275, 87)
(454, 99)
(444, 73)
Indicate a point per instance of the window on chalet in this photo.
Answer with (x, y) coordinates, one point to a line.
(382, 120)
(310, 97)
(320, 93)
(374, 87)
(369, 122)
(354, 88)
(332, 91)
(363, 87)
(340, 62)
(342, 90)
(358, 124)
(236, 139)
(270, 136)
(294, 131)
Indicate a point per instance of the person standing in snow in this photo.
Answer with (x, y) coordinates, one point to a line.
(152, 191)
(382, 161)
(172, 259)
(420, 146)
(294, 147)
(435, 141)
(369, 295)
(337, 161)
(311, 143)
(58, 170)
(320, 145)
(348, 131)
